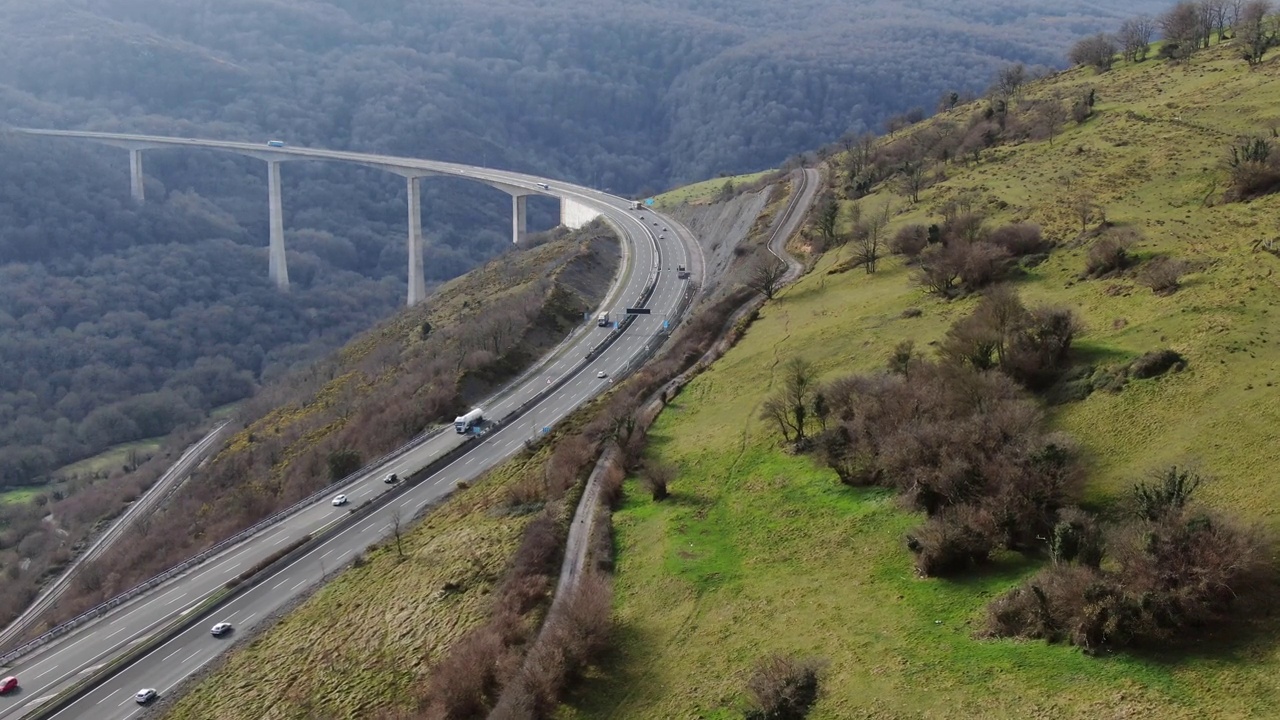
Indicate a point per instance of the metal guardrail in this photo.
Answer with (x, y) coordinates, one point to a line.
(201, 557)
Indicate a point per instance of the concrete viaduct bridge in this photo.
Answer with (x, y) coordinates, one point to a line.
(573, 212)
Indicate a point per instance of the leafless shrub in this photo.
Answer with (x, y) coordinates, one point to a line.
(910, 241)
(1163, 275)
(953, 542)
(1019, 239)
(1108, 254)
(783, 688)
(657, 476)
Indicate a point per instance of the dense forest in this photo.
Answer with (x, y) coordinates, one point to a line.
(120, 321)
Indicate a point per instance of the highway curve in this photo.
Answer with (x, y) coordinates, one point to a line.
(48, 671)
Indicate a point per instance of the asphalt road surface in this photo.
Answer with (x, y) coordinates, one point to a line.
(51, 669)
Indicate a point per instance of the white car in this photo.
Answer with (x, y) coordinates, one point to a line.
(340, 500)
(221, 629)
(145, 695)
(544, 186)
(602, 374)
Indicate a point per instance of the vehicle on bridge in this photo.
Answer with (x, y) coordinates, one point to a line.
(275, 143)
(463, 423)
(544, 186)
(636, 205)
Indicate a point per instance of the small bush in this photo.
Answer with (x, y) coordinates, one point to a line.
(912, 312)
(983, 265)
(1162, 275)
(1020, 239)
(953, 542)
(1157, 363)
(656, 477)
(1107, 255)
(910, 241)
(782, 688)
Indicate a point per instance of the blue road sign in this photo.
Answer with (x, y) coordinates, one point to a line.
(648, 201)
(665, 324)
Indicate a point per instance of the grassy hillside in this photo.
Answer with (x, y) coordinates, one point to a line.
(762, 551)
(395, 618)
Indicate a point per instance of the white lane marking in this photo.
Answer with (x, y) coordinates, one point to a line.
(295, 587)
(190, 657)
(280, 584)
(175, 652)
(115, 633)
(327, 554)
(368, 527)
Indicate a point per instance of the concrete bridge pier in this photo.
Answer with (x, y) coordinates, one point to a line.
(519, 218)
(417, 285)
(276, 264)
(136, 187)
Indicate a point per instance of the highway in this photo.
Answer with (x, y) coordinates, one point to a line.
(57, 666)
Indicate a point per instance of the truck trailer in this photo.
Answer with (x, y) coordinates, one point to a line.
(602, 320)
(464, 423)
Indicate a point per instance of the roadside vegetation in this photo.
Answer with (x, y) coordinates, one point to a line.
(419, 369)
(492, 647)
(1019, 464)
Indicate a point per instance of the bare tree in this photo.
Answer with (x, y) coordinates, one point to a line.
(397, 529)
(766, 274)
(1009, 82)
(860, 169)
(1084, 205)
(1135, 37)
(790, 406)
(1098, 50)
(1256, 31)
(1180, 26)
(913, 172)
(827, 216)
(1216, 12)
(868, 237)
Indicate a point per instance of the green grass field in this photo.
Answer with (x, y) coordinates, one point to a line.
(703, 192)
(110, 459)
(19, 495)
(761, 551)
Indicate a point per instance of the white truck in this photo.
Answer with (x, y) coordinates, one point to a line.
(602, 320)
(464, 423)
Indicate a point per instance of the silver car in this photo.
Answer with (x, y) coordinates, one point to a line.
(145, 695)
